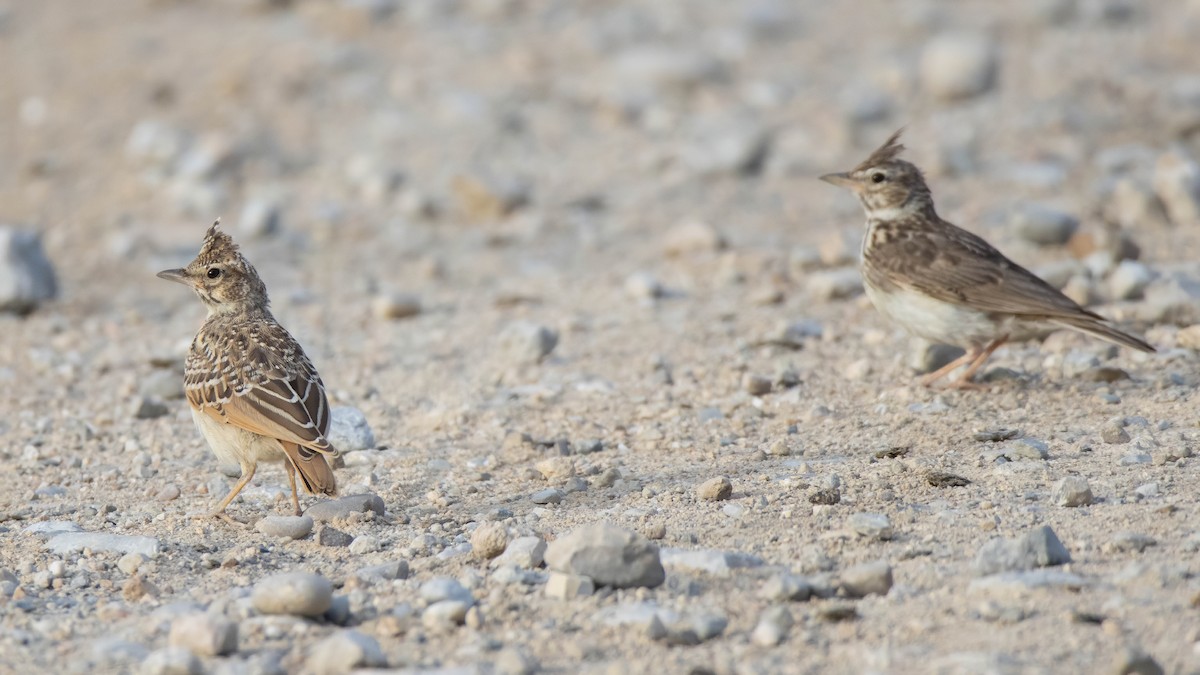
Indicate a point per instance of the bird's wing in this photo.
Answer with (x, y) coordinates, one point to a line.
(259, 379)
(956, 266)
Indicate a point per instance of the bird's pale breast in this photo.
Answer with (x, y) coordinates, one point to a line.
(234, 445)
(935, 320)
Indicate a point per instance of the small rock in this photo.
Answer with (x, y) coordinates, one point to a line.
(875, 526)
(1039, 547)
(389, 571)
(292, 527)
(396, 306)
(644, 286)
(835, 284)
(1136, 662)
(131, 562)
(523, 342)
(756, 385)
(564, 586)
(349, 430)
(364, 544)
(149, 408)
(1177, 183)
(523, 552)
(715, 489)
(727, 147)
(162, 383)
(444, 588)
(26, 276)
(137, 587)
(445, 613)
(708, 561)
(874, 578)
(296, 593)
(958, 66)
(260, 218)
(1043, 225)
(490, 198)
(692, 237)
(773, 626)
(73, 542)
(343, 652)
(1114, 433)
(489, 540)
(927, 357)
(609, 555)
(784, 587)
(1146, 490)
(204, 635)
(334, 509)
(334, 538)
(1026, 448)
(1073, 491)
(513, 661)
(556, 468)
(171, 661)
(1132, 541)
(548, 496)
(1129, 280)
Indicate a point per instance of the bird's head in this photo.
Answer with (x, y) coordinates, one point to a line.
(221, 276)
(888, 187)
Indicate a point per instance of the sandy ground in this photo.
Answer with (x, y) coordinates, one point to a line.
(639, 178)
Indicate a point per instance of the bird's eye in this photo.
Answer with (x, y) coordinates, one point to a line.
(214, 272)
(878, 177)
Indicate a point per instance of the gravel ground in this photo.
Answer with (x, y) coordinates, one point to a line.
(566, 265)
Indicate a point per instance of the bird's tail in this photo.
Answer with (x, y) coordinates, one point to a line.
(1098, 328)
(314, 469)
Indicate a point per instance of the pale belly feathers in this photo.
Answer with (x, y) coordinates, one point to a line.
(234, 445)
(935, 320)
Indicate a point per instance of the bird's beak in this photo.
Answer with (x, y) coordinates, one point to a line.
(179, 276)
(841, 180)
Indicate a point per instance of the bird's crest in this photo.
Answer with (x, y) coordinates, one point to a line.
(885, 153)
(218, 246)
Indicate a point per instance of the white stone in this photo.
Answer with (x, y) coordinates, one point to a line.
(26, 276)
(958, 66)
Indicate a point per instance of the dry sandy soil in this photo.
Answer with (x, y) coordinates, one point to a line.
(638, 178)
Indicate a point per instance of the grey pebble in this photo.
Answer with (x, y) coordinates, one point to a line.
(1039, 547)
(524, 552)
(1177, 183)
(26, 276)
(1131, 541)
(610, 555)
(708, 561)
(260, 217)
(296, 593)
(333, 509)
(397, 569)
(773, 626)
(1129, 280)
(548, 496)
(162, 384)
(784, 587)
(873, 578)
(565, 586)
(1135, 662)
(715, 489)
(292, 527)
(1073, 491)
(349, 430)
(149, 407)
(204, 635)
(171, 661)
(1042, 224)
(1146, 490)
(957, 66)
(834, 284)
(523, 342)
(445, 588)
(875, 526)
(445, 613)
(333, 537)
(72, 542)
(396, 306)
(345, 651)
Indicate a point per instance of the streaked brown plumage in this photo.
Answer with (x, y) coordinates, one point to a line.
(253, 392)
(943, 283)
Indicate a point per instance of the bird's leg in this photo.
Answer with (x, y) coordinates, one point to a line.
(219, 512)
(291, 473)
(945, 370)
(965, 382)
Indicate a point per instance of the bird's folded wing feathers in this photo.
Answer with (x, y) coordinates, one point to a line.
(268, 398)
(953, 269)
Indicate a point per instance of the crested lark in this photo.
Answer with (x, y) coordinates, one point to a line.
(943, 283)
(254, 394)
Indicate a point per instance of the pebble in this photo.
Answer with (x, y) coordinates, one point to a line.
(1177, 183)
(171, 661)
(733, 147)
(1113, 433)
(523, 552)
(389, 571)
(1128, 281)
(1146, 490)
(73, 542)
(1043, 225)
(364, 544)
(489, 540)
(785, 587)
(564, 586)
(609, 555)
(1136, 458)
(292, 527)
(756, 385)
(875, 526)
(644, 286)
(260, 217)
(149, 407)
(513, 661)
(692, 237)
(958, 66)
(548, 496)
(334, 538)
(295, 593)
(1135, 662)
(1133, 206)
(490, 198)
(444, 588)
(345, 651)
(523, 342)
(162, 383)
(333, 509)
(349, 430)
(27, 278)
(835, 284)
(1131, 541)
(773, 626)
(1026, 448)
(556, 468)
(708, 561)
(1073, 491)
(927, 357)
(873, 578)
(715, 489)
(1039, 547)
(396, 306)
(445, 613)
(204, 635)
(131, 562)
